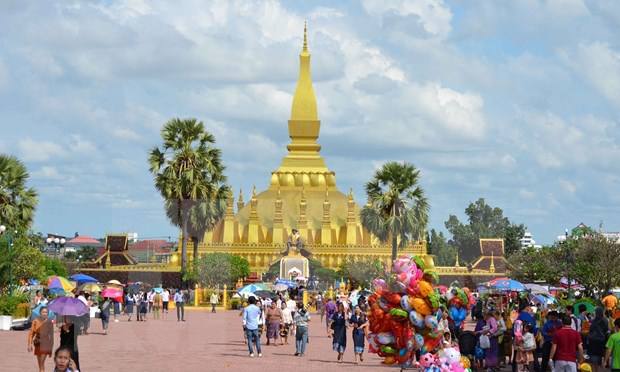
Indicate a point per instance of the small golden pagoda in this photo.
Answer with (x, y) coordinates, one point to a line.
(302, 195)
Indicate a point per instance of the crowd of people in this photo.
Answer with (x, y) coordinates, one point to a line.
(529, 338)
(40, 339)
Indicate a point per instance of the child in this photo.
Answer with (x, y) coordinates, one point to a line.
(527, 347)
(63, 361)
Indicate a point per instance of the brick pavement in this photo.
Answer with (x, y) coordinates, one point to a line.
(206, 342)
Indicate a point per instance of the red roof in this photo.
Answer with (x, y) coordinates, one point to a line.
(83, 240)
(151, 245)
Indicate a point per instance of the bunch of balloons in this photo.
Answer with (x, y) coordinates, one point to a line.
(403, 313)
(446, 360)
(459, 301)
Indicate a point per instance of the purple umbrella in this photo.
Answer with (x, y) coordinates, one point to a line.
(68, 306)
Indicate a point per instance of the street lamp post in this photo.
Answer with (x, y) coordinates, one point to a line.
(569, 263)
(9, 237)
(57, 243)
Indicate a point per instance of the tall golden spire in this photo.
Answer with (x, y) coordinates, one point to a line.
(304, 100)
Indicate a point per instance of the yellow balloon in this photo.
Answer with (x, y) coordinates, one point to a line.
(465, 362)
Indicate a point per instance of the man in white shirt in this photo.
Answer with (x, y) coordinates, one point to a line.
(83, 322)
(179, 302)
(150, 296)
(165, 298)
(214, 300)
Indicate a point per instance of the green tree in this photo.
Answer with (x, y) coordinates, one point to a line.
(54, 266)
(596, 262)
(22, 261)
(215, 269)
(484, 222)
(361, 272)
(17, 201)
(187, 168)
(398, 209)
(88, 253)
(537, 264)
(445, 254)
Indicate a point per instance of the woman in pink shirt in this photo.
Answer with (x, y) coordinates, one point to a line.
(490, 329)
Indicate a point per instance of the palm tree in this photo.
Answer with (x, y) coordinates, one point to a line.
(17, 202)
(203, 216)
(397, 209)
(187, 169)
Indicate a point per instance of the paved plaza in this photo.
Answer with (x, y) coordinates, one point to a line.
(205, 342)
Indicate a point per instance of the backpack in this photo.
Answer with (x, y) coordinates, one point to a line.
(585, 327)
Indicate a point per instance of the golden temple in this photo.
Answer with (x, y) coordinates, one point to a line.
(302, 194)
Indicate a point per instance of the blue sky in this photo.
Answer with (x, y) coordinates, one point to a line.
(516, 102)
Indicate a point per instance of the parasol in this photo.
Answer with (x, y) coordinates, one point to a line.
(264, 293)
(280, 287)
(114, 283)
(90, 287)
(537, 288)
(58, 283)
(37, 311)
(112, 292)
(158, 289)
(251, 288)
(68, 306)
(83, 278)
(506, 285)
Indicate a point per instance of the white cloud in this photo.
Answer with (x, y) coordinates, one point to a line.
(33, 150)
(126, 134)
(433, 15)
(599, 65)
(47, 172)
(568, 186)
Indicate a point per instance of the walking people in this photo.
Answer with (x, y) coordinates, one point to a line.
(613, 348)
(68, 339)
(597, 336)
(287, 323)
(525, 317)
(156, 305)
(84, 320)
(302, 317)
(566, 347)
(129, 306)
(251, 315)
(274, 320)
(330, 310)
(360, 323)
(338, 331)
(144, 306)
(41, 338)
(137, 300)
(527, 348)
(104, 314)
(548, 330)
(214, 300)
(490, 330)
(165, 298)
(179, 302)
(151, 300)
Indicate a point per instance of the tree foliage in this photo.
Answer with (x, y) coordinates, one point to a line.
(398, 209)
(537, 264)
(361, 272)
(187, 169)
(217, 269)
(596, 262)
(484, 221)
(445, 254)
(17, 201)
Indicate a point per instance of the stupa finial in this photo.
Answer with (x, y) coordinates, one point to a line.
(305, 46)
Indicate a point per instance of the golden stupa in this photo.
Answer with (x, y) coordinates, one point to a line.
(302, 195)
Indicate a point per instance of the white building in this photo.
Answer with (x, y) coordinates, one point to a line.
(528, 241)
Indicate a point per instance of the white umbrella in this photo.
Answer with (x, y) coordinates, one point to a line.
(300, 278)
(537, 288)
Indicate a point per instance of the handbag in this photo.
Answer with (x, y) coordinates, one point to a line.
(485, 342)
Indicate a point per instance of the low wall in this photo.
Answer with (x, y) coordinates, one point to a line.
(166, 278)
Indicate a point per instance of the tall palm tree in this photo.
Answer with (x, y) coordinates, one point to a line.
(17, 202)
(397, 209)
(187, 169)
(203, 216)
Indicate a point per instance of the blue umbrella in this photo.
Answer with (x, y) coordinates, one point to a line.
(158, 289)
(37, 311)
(289, 283)
(506, 284)
(83, 278)
(251, 288)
